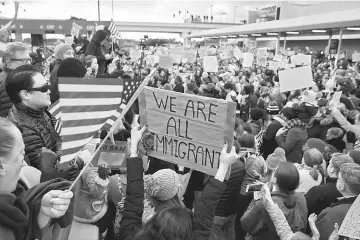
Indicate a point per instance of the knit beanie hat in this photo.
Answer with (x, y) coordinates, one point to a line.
(273, 108)
(61, 49)
(71, 67)
(274, 159)
(316, 143)
(162, 185)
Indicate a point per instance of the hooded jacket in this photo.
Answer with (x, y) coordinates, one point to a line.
(5, 102)
(258, 223)
(94, 49)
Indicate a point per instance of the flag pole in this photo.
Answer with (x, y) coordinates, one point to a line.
(122, 114)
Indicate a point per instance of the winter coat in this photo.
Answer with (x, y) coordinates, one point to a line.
(255, 127)
(293, 143)
(305, 111)
(269, 144)
(54, 81)
(91, 203)
(134, 203)
(5, 102)
(19, 210)
(257, 222)
(334, 214)
(94, 49)
(320, 197)
(227, 204)
(38, 131)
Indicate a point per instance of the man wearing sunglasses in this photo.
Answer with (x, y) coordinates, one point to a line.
(16, 54)
(29, 91)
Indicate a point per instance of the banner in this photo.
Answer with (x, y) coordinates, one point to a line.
(178, 122)
(295, 78)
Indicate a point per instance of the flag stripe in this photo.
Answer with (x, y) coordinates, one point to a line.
(73, 95)
(76, 144)
(80, 130)
(91, 81)
(89, 88)
(86, 122)
(89, 102)
(79, 109)
(85, 115)
(76, 137)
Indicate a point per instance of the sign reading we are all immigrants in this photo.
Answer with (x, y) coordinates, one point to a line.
(189, 130)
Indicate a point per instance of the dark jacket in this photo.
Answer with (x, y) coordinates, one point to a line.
(37, 130)
(227, 204)
(94, 49)
(331, 215)
(179, 88)
(134, 204)
(255, 126)
(292, 143)
(5, 102)
(54, 81)
(257, 222)
(320, 197)
(305, 111)
(18, 212)
(269, 144)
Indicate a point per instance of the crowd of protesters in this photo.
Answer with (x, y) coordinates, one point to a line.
(301, 146)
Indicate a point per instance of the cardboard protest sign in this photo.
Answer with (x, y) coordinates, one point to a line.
(202, 52)
(165, 62)
(237, 53)
(75, 30)
(291, 53)
(248, 59)
(301, 59)
(350, 227)
(277, 58)
(112, 155)
(356, 56)
(135, 55)
(274, 65)
(295, 78)
(210, 64)
(189, 130)
(176, 58)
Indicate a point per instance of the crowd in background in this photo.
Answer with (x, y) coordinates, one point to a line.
(303, 147)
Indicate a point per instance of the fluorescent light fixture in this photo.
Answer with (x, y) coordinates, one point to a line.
(292, 32)
(272, 34)
(256, 35)
(231, 36)
(353, 28)
(243, 35)
(215, 37)
(223, 36)
(318, 31)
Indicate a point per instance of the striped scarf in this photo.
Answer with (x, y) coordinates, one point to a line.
(295, 123)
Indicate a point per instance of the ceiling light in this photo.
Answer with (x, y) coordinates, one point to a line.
(256, 35)
(318, 31)
(230, 36)
(215, 37)
(353, 28)
(272, 34)
(292, 32)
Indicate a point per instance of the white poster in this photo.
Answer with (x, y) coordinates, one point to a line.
(248, 59)
(295, 78)
(210, 64)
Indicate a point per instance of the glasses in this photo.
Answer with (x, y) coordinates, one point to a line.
(43, 89)
(22, 60)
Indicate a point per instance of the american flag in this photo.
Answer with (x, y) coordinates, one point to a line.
(259, 140)
(113, 30)
(86, 104)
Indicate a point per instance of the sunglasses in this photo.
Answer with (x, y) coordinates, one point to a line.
(43, 89)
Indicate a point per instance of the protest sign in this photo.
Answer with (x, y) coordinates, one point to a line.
(291, 53)
(274, 65)
(177, 50)
(176, 58)
(189, 130)
(165, 62)
(210, 52)
(350, 227)
(248, 59)
(237, 53)
(277, 58)
(202, 52)
(295, 78)
(301, 59)
(184, 60)
(75, 30)
(112, 155)
(356, 56)
(261, 52)
(210, 64)
(335, 101)
(135, 55)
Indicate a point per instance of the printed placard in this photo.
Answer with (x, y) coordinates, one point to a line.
(237, 53)
(210, 64)
(112, 155)
(356, 56)
(75, 30)
(295, 78)
(165, 62)
(301, 60)
(189, 130)
(248, 59)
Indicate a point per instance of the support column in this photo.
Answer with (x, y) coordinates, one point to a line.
(329, 43)
(277, 47)
(284, 42)
(340, 42)
(18, 37)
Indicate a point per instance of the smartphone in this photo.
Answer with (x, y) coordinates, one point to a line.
(253, 187)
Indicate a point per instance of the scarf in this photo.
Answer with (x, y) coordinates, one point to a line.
(280, 120)
(295, 123)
